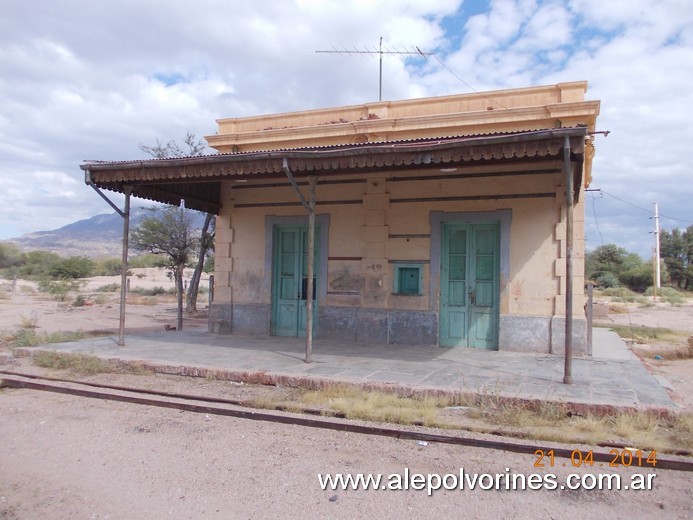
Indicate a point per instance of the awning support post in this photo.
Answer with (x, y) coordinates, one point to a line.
(127, 190)
(311, 269)
(309, 205)
(568, 171)
(124, 266)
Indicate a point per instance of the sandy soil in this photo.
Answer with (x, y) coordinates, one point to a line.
(65, 457)
(677, 373)
(659, 315)
(26, 303)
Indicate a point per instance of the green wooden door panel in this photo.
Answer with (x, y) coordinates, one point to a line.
(469, 285)
(290, 280)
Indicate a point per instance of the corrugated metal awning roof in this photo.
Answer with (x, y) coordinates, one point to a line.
(197, 179)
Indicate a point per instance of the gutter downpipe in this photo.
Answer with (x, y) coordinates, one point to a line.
(568, 170)
(124, 259)
(310, 208)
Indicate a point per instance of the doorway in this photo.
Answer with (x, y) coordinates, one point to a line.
(469, 285)
(290, 280)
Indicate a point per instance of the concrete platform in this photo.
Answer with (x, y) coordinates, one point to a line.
(613, 377)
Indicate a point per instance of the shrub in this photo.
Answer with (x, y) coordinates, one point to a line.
(59, 288)
(38, 264)
(10, 255)
(607, 280)
(107, 267)
(111, 287)
(668, 294)
(622, 294)
(154, 291)
(72, 267)
(638, 278)
(146, 260)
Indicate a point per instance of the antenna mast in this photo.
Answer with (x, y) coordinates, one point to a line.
(380, 52)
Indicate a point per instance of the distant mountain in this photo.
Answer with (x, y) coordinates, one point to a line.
(98, 236)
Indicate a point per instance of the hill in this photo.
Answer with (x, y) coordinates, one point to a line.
(98, 236)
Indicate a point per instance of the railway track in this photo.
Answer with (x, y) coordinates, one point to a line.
(241, 409)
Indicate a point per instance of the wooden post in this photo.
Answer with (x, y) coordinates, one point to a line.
(311, 269)
(124, 266)
(568, 361)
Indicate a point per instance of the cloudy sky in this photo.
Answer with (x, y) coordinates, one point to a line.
(86, 79)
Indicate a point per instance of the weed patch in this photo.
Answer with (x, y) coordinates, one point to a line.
(645, 334)
(32, 338)
(355, 403)
(81, 364)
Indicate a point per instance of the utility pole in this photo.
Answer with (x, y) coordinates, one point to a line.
(380, 52)
(658, 275)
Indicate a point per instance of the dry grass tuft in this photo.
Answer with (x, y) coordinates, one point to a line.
(136, 299)
(81, 364)
(355, 403)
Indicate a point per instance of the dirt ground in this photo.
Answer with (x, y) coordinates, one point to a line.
(101, 314)
(68, 457)
(657, 354)
(65, 457)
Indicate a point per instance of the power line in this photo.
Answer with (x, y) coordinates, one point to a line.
(648, 211)
(596, 220)
(467, 84)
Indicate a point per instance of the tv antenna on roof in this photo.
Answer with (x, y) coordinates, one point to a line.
(380, 52)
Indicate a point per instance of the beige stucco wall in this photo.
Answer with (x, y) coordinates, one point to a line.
(362, 247)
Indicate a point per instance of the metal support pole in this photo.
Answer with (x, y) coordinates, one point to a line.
(124, 265)
(658, 274)
(311, 269)
(568, 171)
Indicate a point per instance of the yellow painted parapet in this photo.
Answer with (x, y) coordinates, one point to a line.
(532, 108)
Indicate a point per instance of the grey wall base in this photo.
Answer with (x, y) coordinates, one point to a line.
(539, 334)
(542, 334)
(220, 318)
(251, 319)
(378, 326)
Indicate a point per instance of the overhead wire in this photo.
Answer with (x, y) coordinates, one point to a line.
(442, 64)
(649, 211)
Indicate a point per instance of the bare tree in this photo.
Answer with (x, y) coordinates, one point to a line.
(171, 149)
(193, 147)
(168, 232)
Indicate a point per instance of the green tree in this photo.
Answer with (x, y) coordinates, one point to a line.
(37, 264)
(10, 255)
(71, 268)
(193, 147)
(638, 278)
(605, 260)
(676, 250)
(168, 232)
(612, 266)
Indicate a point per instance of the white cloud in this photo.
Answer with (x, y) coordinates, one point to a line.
(93, 80)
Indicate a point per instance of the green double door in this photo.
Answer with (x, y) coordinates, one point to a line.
(290, 284)
(469, 291)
